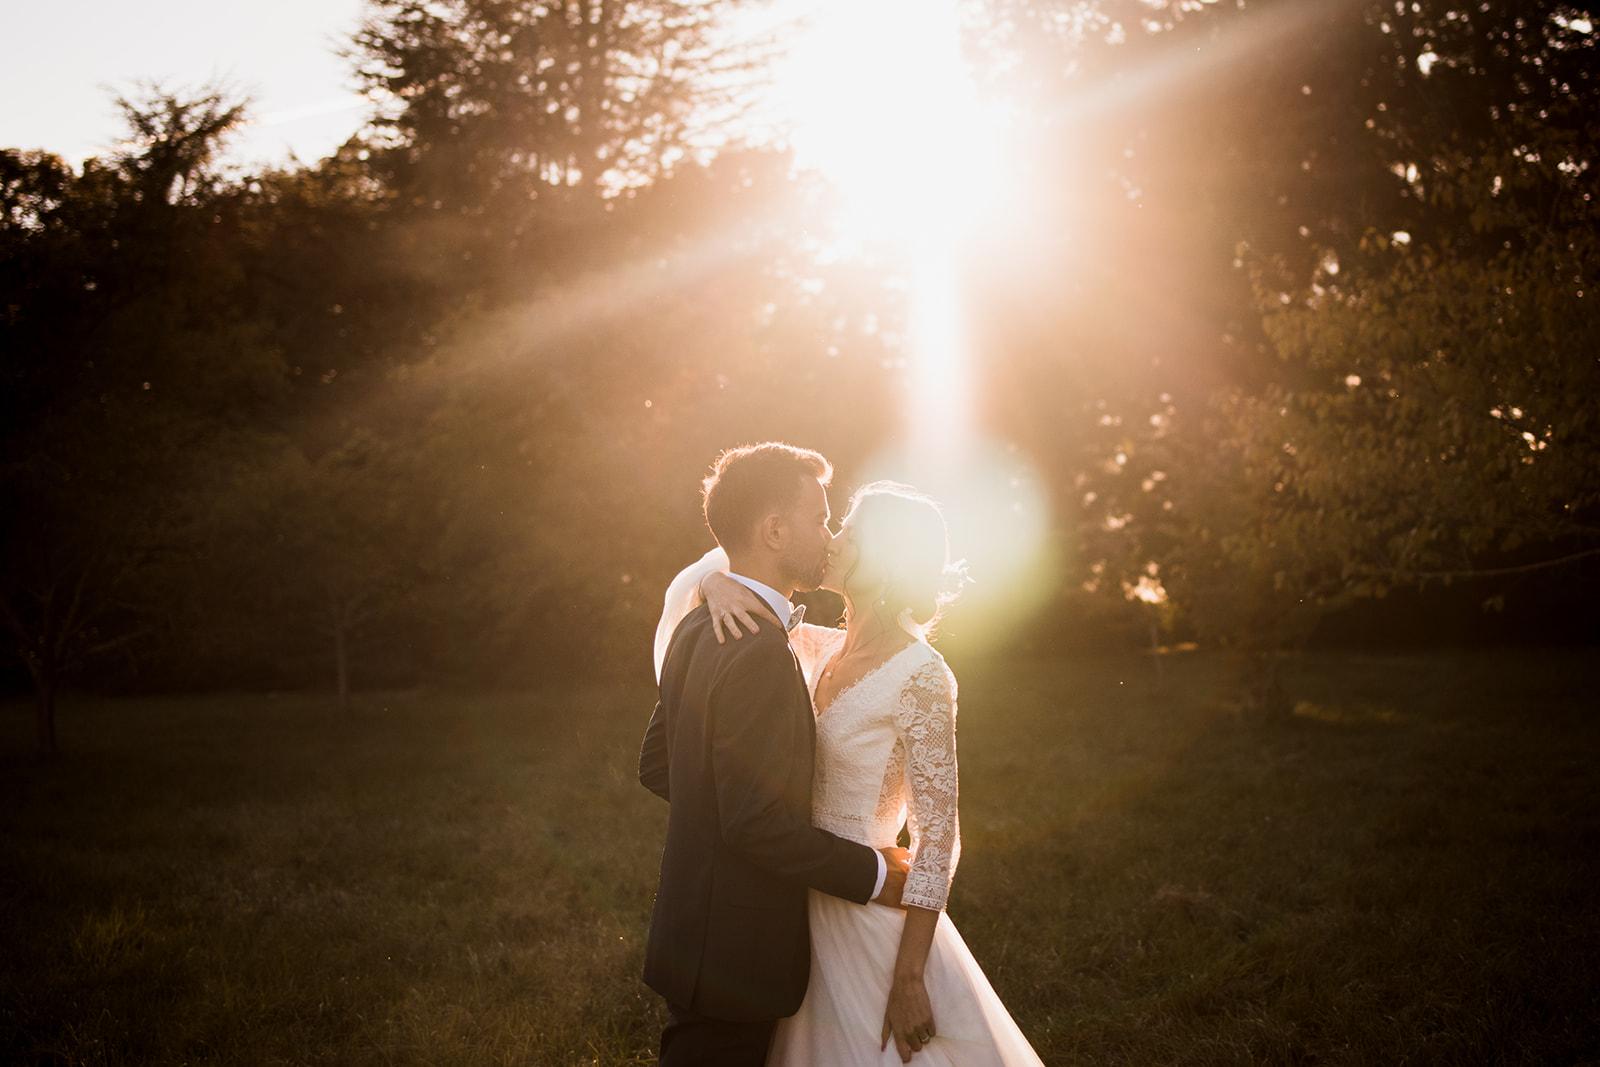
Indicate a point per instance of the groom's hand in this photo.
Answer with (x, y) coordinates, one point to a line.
(894, 881)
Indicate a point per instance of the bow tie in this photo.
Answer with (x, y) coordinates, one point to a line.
(795, 619)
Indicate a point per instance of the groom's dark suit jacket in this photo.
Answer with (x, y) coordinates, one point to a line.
(731, 746)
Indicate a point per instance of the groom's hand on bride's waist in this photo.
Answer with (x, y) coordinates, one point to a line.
(894, 881)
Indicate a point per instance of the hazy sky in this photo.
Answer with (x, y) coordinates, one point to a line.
(61, 62)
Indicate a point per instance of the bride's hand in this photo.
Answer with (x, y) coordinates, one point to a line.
(730, 603)
(909, 1017)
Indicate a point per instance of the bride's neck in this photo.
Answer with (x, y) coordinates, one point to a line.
(868, 629)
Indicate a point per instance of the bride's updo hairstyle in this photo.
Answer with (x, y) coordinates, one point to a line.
(901, 541)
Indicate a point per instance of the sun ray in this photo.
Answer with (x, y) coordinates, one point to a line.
(877, 98)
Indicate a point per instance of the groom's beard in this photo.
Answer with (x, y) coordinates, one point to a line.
(808, 579)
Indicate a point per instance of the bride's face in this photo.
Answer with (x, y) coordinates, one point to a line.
(844, 555)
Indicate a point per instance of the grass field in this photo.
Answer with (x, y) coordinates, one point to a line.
(1404, 872)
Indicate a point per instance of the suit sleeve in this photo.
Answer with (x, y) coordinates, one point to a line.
(653, 755)
(754, 740)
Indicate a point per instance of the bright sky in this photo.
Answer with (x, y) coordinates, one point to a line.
(62, 61)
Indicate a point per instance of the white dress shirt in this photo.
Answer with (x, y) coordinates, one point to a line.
(780, 605)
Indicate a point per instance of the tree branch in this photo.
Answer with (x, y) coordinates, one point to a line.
(1490, 572)
(14, 622)
(106, 646)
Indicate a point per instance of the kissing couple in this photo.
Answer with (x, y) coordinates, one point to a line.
(788, 927)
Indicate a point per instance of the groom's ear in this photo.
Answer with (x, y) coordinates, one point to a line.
(771, 531)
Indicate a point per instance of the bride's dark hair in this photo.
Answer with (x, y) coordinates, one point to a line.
(900, 535)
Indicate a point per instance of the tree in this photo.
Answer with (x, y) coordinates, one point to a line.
(327, 545)
(1439, 428)
(487, 105)
(173, 141)
(122, 356)
(1264, 162)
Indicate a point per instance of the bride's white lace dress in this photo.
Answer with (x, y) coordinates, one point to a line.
(885, 758)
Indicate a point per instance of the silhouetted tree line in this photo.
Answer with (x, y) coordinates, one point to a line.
(1300, 312)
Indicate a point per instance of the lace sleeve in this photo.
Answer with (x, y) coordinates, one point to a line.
(682, 597)
(813, 646)
(926, 718)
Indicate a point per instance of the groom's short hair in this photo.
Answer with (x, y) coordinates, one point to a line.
(750, 482)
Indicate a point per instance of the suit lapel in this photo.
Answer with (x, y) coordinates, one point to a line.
(783, 624)
(799, 674)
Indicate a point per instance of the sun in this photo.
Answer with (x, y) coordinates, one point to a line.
(876, 97)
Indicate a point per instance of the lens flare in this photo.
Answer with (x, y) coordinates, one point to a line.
(999, 520)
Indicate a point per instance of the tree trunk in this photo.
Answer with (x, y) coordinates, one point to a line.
(1262, 695)
(1155, 651)
(45, 716)
(341, 654)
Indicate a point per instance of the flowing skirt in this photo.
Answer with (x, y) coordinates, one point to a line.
(840, 1024)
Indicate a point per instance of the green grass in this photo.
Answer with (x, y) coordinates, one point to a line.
(1405, 872)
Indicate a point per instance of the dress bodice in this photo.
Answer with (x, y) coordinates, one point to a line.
(886, 758)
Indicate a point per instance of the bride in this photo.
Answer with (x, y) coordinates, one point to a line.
(885, 703)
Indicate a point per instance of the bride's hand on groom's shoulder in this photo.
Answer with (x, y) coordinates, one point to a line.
(730, 604)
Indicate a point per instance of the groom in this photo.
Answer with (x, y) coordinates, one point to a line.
(730, 747)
